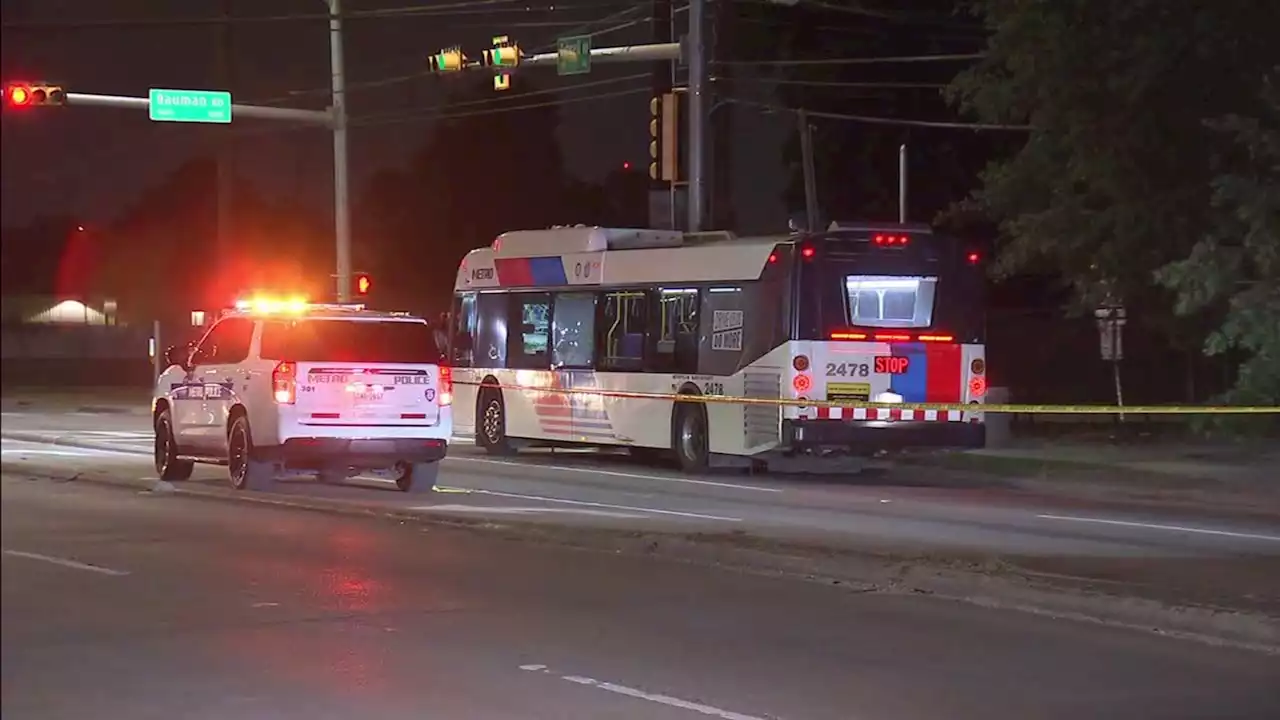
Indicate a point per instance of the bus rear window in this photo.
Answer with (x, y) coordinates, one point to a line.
(356, 341)
(890, 301)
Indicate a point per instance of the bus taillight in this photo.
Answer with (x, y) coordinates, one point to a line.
(844, 335)
(800, 363)
(978, 366)
(802, 383)
(977, 386)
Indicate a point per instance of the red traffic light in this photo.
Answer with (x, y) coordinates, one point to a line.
(18, 95)
(363, 284)
(28, 94)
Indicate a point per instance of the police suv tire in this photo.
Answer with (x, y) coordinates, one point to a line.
(169, 466)
(418, 477)
(689, 437)
(491, 423)
(246, 473)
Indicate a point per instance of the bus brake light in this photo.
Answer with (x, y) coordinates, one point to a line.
(802, 383)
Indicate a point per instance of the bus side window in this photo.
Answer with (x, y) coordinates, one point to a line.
(464, 329)
(529, 332)
(676, 335)
(489, 346)
(622, 327)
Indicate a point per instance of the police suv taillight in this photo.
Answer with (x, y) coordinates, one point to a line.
(284, 383)
(446, 385)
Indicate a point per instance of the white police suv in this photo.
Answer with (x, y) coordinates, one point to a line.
(281, 388)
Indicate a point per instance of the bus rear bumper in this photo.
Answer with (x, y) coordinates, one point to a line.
(866, 436)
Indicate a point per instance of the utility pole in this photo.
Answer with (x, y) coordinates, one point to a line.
(902, 184)
(810, 176)
(341, 187)
(225, 148)
(695, 44)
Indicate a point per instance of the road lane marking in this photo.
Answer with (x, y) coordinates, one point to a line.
(615, 473)
(69, 451)
(584, 503)
(480, 509)
(631, 692)
(1157, 526)
(64, 562)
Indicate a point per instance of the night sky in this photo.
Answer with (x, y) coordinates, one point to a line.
(93, 163)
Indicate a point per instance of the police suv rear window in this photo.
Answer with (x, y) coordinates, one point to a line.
(358, 341)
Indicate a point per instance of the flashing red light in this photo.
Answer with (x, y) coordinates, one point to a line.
(773, 257)
(626, 164)
(890, 240)
(807, 252)
(973, 258)
(977, 386)
(19, 95)
(363, 284)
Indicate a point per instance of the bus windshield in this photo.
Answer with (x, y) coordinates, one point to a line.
(849, 283)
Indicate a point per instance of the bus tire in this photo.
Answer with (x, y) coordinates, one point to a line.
(690, 438)
(491, 423)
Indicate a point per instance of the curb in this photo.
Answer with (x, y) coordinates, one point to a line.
(985, 582)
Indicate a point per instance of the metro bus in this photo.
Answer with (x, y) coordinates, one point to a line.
(887, 314)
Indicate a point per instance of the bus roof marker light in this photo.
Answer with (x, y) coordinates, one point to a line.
(973, 258)
(807, 252)
(845, 335)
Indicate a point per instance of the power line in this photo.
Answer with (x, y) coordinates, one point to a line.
(871, 120)
(532, 93)
(858, 61)
(474, 7)
(444, 115)
(842, 84)
(398, 79)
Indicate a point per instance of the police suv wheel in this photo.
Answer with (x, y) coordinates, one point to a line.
(246, 473)
(418, 477)
(169, 466)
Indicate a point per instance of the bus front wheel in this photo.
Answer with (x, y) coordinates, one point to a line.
(690, 437)
(491, 423)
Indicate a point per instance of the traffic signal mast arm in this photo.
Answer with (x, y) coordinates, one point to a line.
(452, 59)
(261, 112)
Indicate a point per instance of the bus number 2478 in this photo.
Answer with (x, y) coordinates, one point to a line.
(848, 369)
(708, 388)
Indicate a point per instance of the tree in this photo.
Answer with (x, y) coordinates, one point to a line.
(1113, 181)
(1236, 267)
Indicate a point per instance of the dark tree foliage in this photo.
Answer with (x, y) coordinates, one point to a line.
(491, 163)
(1114, 179)
(857, 162)
(1236, 266)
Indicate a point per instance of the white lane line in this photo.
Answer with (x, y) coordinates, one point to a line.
(1169, 528)
(584, 503)
(70, 451)
(482, 510)
(65, 562)
(614, 473)
(631, 692)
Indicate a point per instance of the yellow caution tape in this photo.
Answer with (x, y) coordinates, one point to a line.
(963, 407)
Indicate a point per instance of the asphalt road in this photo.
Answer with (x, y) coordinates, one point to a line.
(898, 512)
(119, 604)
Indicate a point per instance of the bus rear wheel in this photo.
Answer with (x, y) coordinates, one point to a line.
(491, 423)
(690, 437)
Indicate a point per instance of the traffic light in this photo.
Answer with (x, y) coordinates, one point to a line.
(363, 284)
(33, 94)
(503, 54)
(663, 137)
(448, 60)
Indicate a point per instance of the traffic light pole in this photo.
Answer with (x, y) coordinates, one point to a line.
(260, 112)
(341, 179)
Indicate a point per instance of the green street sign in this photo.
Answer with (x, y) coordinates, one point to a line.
(196, 106)
(573, 55)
